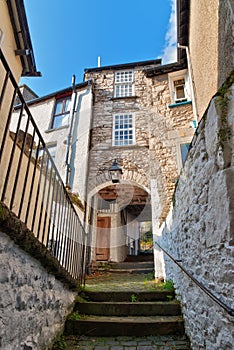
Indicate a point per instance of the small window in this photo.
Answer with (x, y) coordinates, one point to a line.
(123, 130)
(124, 84)
(179, 87)
(61, 112)
(184, 148)
(179, 90)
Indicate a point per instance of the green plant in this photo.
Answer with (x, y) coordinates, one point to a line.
(151, 275)
(222, 101)
(168, 285)
(75, 316)
(133, 298)
(59, 343)
(169, 297)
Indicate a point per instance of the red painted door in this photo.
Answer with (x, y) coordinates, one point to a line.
(103, 238)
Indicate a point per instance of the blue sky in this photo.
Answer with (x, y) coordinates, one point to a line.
(68, 36)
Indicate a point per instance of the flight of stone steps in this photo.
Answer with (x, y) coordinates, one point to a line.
(127, 314)
(109, 319)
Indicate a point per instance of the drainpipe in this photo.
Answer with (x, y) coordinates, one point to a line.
(191, 81)
(69, 137)
(87, 253)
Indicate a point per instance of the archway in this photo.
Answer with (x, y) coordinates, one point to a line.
(119, 211)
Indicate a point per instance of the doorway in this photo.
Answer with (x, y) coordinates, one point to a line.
(103, 238)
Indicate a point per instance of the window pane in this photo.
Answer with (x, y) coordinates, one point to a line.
(58, 108)
(180, 92)
(60, 120)
(67, 105)
(123, 130)
(184, 148)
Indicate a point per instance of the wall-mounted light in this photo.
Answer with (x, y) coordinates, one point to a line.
(115, 172)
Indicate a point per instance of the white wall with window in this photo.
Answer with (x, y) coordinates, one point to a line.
(124, 83)
(123, 130)
(179, 87)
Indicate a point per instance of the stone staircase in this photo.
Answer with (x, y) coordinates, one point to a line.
(115, 317)
(126, 314)
(133, 264)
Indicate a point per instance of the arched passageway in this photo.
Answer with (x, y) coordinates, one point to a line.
(121, 222)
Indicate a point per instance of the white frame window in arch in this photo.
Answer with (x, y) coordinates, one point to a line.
(123, 130)
(124, 83)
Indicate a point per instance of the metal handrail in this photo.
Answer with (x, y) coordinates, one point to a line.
(31, 185)
(228, 309)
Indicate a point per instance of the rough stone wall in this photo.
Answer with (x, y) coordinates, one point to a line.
(200, 230)
(33, 304)
(158, 130)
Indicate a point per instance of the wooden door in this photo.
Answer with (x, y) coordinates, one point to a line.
(103, 238)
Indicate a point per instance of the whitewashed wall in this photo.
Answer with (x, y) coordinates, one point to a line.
(200, 232)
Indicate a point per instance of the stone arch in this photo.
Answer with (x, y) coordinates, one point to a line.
(131, 172)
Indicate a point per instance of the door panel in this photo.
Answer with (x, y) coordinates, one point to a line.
(103, 238)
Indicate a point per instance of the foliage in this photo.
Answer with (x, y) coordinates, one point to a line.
(59, 343)
(168, 285)
(169, 297)
(75, 316)
(74, 197)
(222, 101)
(133, 298)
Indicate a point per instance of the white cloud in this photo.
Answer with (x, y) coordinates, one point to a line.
(170, 50)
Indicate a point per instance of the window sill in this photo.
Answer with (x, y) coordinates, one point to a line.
(55, 129)
(172, 105)
(135, 146)
(124, 98)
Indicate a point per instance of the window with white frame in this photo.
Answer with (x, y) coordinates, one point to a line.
(182, 149)
(61, 112)
(123, 130)
(179, 86)
(124, 83)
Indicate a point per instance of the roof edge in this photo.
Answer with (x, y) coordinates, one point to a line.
(18, 17)
(56, 93)
(124, 65)
(164, 69)
(183, 10)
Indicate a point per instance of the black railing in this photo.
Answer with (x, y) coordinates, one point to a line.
(30, 184)
(199, 284)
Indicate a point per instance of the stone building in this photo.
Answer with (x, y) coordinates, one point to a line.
(139, 114)
(143, 119)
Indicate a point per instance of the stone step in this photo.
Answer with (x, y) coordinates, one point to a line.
(125, 326)
(140, 257)
(126, 296)
(127, 271)
(132, 265)
(171, 308)
(169, 342)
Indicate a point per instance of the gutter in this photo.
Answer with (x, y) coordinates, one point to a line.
(24, 47)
